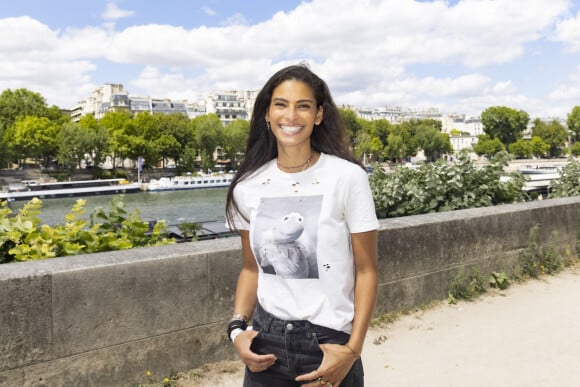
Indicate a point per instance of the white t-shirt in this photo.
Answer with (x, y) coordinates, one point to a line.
(300, 226)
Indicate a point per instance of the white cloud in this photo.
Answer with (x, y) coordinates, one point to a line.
(113, 12)
(568, 32)
(236, 19)
(365, 50)
(569, 91)
(208, 11)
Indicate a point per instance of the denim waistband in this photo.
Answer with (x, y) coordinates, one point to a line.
(267, 322)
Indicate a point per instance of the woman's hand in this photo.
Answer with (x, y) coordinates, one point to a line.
(337, 360)
(254, 362)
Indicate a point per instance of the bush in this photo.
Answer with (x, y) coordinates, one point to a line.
(23, 238)
(442, 186)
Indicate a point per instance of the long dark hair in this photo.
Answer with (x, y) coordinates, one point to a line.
(328, 137)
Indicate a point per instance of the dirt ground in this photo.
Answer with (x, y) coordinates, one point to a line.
(527, 335)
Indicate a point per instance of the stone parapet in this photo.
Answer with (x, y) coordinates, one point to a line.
(105, 319)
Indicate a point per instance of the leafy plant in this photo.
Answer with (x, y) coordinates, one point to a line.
(530, 258)
(23, 238)
(442, 186)
(535, 261)
(464, 286)
(499, 280)
(189, 229)
(568, 184)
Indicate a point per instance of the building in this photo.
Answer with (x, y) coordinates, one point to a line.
(455, 124)
(394, 114)
(229, 105)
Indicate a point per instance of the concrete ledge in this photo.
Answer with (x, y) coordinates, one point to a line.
(105, 319)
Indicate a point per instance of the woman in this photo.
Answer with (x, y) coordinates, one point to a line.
(302, 204)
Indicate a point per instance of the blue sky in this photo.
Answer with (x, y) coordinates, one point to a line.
(459, 56)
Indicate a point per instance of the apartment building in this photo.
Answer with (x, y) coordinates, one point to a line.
(228, 105)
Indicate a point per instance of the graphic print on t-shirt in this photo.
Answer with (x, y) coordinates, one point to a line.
(285, 236)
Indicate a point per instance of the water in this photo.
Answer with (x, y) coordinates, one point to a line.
(175, 207)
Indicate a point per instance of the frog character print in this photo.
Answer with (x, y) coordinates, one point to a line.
(286, 250)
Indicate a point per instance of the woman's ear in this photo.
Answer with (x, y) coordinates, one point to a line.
(319, 116)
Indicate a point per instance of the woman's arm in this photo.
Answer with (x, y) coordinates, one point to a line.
(364, 247)
(247, 288)
(338, 359)
(246, 300)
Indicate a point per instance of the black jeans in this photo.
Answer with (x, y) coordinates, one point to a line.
(296, 346)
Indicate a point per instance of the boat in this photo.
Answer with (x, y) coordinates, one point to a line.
(190, 181)
(27, 190)
(538, 169)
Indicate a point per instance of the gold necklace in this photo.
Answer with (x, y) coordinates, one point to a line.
(300, 167)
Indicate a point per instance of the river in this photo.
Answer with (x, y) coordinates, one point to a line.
(175, 207)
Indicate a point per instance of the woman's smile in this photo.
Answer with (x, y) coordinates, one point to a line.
(290, 129)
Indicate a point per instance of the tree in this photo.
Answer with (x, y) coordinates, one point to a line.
(34, 137)
(235, 138)
(178, 127)
(431, 140)
(15, 104)
(147, 127)
(209, 134)
(575, 149)
(368, 144)
(504, 123)
(97, 139)
(20, 103)
(553, 134)
(72, 146)
(521, 148)
(573, 122)
(352, 125)
(538, 147)
(117, 125)
(488, 146)
(396, 148)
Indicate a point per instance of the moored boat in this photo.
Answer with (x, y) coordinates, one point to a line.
(31, 189)
(190, 182)
(538, 169)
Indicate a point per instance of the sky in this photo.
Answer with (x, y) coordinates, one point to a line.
(459, 56)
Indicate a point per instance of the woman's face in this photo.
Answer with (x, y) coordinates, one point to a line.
(293, 113)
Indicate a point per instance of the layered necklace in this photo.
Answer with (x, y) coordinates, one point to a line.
(297, 168)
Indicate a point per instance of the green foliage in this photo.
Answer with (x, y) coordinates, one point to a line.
(441, 186)
(568, 184)
(538, 147)
(573, 122)
(504, 123)
(535, 261)
(575, 149)
(499, 280)
(209, 133)
(23, 238)
(530, 258)
(521, 148)
(553, 134)
(487, 146)
(466, 287)
(189, 229)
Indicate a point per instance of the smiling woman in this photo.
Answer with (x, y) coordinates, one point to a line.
(303, 206)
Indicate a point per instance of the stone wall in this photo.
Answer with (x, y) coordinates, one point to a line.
(105, 319)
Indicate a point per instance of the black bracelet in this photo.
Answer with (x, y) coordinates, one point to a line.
(234, 324)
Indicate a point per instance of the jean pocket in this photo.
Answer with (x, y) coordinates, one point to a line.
(331, 336)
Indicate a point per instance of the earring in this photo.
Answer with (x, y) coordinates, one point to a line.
(268, 124)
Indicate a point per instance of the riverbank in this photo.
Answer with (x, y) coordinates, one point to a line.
(526, 335)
